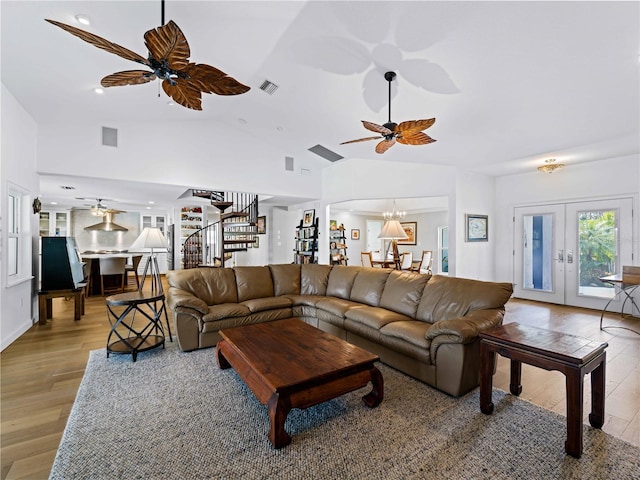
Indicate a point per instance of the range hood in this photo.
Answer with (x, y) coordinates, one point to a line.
(107, 224)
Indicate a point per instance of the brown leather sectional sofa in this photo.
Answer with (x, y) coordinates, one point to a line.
(424, 326)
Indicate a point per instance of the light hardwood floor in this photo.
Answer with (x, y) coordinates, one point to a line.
(41, 372)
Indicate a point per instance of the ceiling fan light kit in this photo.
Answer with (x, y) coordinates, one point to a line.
(407, 133)
(168, 59)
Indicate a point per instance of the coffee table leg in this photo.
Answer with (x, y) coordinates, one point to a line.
(279, 407)
(515, 384)
(223, 363)
(487, 359)
(575, 391)
(375, 396)
(596, 417)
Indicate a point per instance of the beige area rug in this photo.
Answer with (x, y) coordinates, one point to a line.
(175, 415)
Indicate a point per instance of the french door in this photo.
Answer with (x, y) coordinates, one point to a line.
(561, 250)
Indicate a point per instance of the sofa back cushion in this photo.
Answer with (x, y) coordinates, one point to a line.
(212, 285)
(450, 297)
(314, 279)
(253, 282)
(286, 279)
(368, 285)
(341, 281)
(403, 291)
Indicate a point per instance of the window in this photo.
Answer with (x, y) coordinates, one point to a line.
(443, 250)
(18, 236)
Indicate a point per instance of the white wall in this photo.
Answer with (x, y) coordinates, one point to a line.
(18, 307)
(587, 181)
(185, 154)
(474, 195)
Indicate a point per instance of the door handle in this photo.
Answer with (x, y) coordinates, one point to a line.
(560, 256)
(569, 256)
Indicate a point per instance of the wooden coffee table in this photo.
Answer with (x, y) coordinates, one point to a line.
(571, 355)
(291, 364)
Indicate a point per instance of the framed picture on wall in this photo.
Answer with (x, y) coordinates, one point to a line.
(308, 218)
(262, 225)
(333, 224)
(477, 228)
(410, 228)
(355, 234)
(256, 242)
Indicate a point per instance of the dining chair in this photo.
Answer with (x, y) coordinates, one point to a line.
(406, 260)
(112, 266)
(133, 268)
(365, 258)
(425, 263)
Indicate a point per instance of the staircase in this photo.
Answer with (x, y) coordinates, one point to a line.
(214, 244)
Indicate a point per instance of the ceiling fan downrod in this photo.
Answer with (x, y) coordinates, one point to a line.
(389, 76)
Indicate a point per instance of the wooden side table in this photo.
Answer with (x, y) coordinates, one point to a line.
(134, 334)
(45, 304)
(571, 355)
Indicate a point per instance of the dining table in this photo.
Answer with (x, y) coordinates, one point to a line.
(91, 259)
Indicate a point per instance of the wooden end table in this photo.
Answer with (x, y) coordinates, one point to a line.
(291, 364)
(571, 355)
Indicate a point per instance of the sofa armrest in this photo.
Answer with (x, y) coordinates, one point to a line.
(182, 298)
(462, 329)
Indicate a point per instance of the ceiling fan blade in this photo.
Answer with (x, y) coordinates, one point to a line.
(183, 92)
(100, 42)
(168, 43)
(385, 145)
(361, 140)
(211, 80)
(418, 125)
(129, 77)
(374, 127)
(414, 138)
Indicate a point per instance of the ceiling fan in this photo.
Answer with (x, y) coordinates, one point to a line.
(168, 60)
(408, 133)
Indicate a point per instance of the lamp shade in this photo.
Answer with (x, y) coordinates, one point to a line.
(151, 237)
(393, 230)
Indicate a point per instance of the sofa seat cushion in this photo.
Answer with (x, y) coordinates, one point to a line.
(225, 310)
(411, 331)
(374, 317)
(306, 300)
(267, 303)
(337, 306)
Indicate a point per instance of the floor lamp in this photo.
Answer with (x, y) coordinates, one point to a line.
(392, 230)
(151, 238)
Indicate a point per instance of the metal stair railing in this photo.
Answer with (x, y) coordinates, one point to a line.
(214, 244)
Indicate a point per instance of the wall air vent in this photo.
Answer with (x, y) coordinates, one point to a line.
(325, 153)
(288, 163)
(109, 137)
(269, 87)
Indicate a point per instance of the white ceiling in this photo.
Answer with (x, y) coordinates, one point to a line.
(510, 83)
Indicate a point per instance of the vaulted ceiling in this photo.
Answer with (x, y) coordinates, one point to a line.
(509, 83)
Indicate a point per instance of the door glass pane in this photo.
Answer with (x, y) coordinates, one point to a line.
(597, 251)
(537, 247)
(160, 224)
(444, 249)
(44, 224)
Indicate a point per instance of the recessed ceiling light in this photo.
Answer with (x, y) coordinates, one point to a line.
(98, 91)
(151, 202)
(148, 208)
(54, 203)
(83, 19)
(170, 103)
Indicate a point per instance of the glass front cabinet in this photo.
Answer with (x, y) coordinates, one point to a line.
(55, 224)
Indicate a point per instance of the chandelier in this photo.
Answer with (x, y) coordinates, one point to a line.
(394, 214)
(550, 166)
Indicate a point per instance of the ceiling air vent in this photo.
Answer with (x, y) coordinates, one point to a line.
(325, 153)
(269, 87)
(109, 137)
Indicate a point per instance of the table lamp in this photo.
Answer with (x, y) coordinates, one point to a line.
(151, 238)
(392, 230)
